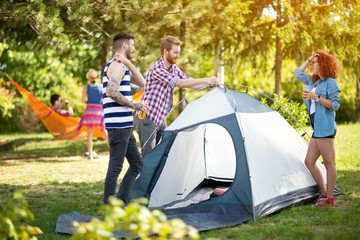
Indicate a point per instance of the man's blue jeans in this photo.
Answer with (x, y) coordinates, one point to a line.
(122, 144)
(148, 139)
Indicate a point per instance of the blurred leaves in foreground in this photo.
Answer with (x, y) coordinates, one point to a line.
(135, 220)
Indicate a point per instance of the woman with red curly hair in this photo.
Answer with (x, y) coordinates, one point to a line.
(322, 100)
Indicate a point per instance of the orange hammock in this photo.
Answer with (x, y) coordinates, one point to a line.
(61, 127)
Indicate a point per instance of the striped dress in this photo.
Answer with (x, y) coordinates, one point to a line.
(116, 115)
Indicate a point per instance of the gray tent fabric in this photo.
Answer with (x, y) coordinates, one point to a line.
(228, 138)
(206, 217)
(65, 222)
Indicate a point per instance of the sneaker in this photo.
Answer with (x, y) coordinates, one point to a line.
(321, 195)
(324, 202)
(87, 154)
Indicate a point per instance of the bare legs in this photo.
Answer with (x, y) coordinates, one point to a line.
(326, 148)
(90, 131)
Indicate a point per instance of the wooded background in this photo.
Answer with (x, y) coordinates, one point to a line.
(48, 46)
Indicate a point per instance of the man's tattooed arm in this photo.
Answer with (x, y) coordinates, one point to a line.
(112, 92)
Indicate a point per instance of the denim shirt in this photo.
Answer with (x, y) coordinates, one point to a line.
(324, 121)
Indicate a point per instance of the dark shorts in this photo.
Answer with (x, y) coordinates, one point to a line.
(331, 136)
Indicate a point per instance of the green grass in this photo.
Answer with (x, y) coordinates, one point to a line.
(56, 179)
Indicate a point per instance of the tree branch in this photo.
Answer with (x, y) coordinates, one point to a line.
(176, 12)
(102, 30)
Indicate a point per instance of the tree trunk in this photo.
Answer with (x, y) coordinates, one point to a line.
(278, 54)
(278, 65)
(182, 91)
(357, 98)
(217, 60)
(105, 51)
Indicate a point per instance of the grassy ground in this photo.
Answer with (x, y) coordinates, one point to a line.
(58, 179)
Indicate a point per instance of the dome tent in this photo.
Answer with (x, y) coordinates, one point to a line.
(228, 138)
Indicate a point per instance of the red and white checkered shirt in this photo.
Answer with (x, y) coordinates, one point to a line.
(65, 113)
(159, 90)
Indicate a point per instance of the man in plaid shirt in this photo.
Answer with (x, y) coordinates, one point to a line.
(161, 79)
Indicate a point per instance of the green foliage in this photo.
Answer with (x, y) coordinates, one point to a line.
(346, 112)
(6, 105)
(347, 83)
(12, 215)
(26, 119)
(49, 45)
(135, 220)
(290, 108)
(42, 74)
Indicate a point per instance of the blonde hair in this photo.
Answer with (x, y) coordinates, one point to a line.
(92, 74)
(168, 42)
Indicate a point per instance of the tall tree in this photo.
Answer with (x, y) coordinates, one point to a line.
(214, 26)
(349, 44)
(182, 92)
(273, 27)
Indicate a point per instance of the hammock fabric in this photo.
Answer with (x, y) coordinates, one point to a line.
(61, 127)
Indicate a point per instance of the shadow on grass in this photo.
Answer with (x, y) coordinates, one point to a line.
(53, 149)
(13, 144)
(16, 161)
(48, 201)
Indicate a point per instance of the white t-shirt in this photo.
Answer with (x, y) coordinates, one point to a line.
(312, 105)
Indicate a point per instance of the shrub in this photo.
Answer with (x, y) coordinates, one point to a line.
(12, 215)
(346, 112)
(134, 220)
(290, 108)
